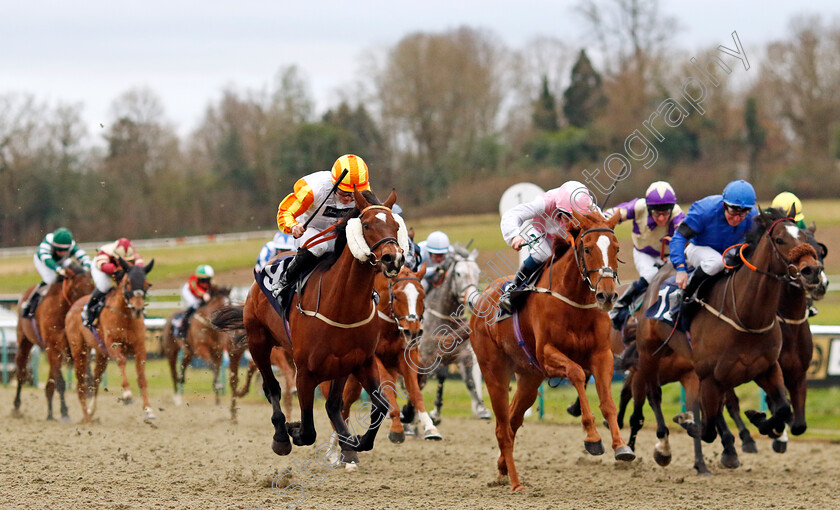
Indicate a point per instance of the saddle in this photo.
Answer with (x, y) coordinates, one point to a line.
(268, 277)
(518, 295)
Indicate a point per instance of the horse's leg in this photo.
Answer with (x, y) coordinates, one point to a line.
(692, 402)
(558, 364)
(662, 448)
(574, 408)
(55, 376)
(601, 364)
(303, 432)
(436, 413)
(733, 406)
(260, 348)
(711, 404)
(172, 358)
(527, 389)
(215, 366)
(637, 418)
(367, 374)
(729, 457)
(772, 383)
(289, 378)
(140, 363)
(798, 394)
(466, 365)
(21, 362)
(412, 385)
(80, 363)
(186, 359)
(235, 357)
(497, 380)
(388, 381)
(341, 393)
(624, 398)
(99, 369)
(117, 353)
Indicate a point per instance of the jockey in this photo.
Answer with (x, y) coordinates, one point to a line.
(302, 205)
(195, 293)
(790, 204)
(281, 242)
(434, 251)
(106, 271)
(712, 225)
(654, 217)
(54, 254)
(551, 217)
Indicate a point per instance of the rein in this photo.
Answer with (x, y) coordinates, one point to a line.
(603, 272)
(64, 292)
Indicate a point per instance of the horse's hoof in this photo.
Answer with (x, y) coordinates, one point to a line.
(351, 467)
(518, 487)
(396, 437)
(750, 447)
(482, 413)
(729, 460)
(779, 446)
(432, 435)
(128, 401)
(50, 418)
(148, 414)
(624, 453)
(755, 417)
(574, 410)
(798, 430)
(409, 429)
(434, 414)
(65, 419)
(177, 399)
(281, 448)
(16, 413)
(703, 471)
(661, 459)
(594, 448)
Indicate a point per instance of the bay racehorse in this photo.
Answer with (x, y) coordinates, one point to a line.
(561, 330)
(331, 325)
(120, 331)
(400, 319)
(46, 330)
(202, 340)
(445, 320)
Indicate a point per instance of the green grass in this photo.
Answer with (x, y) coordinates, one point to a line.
(823, 419)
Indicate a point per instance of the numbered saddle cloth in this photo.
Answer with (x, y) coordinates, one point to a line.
(666, 308)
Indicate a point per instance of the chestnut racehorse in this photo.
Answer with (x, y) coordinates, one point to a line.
(202, 339)
(47, 331)
(120, 331)
(333, 334)
(400, 317)
(564, 331)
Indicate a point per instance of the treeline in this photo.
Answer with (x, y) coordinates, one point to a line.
(449, 119)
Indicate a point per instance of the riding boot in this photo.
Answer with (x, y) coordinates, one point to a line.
(621, 311)
(185, 322)
(301, 263)
(30, 305)
(690, 306)
(529, 266)
(93, 307)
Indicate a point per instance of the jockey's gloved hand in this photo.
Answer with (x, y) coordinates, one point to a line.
(61, 272)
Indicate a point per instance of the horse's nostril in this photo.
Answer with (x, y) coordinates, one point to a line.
(601, 297)
(387, 258)
(807, 271)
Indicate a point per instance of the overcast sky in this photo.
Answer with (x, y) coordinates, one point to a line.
(187, 51)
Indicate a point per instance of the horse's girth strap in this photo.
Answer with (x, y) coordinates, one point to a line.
(794, 321)
(732, 323)
(332, 323)
(543, 290)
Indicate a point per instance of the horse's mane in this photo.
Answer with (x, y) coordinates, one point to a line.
(76, 267)
(340, 231)
(760, 225)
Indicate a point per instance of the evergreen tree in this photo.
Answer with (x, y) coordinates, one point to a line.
(756, 134)
(545, 110)
(585, 96)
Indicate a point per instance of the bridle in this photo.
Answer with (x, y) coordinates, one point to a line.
(792, 274)
(603, 272)
(129, 293)
(397, 318)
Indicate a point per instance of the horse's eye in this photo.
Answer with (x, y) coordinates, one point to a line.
(586, 250)
(365, 226)
(779, 240)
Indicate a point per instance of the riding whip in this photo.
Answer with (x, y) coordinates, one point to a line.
(335, 186)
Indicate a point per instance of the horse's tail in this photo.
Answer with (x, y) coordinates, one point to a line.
(229, 318)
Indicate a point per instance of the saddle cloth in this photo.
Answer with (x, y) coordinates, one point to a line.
(666, 308)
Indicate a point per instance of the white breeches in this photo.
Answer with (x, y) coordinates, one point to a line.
(707, 259)
(318, 249)
(102, 280)
(189, 299)
(47, 275)
(646, 265)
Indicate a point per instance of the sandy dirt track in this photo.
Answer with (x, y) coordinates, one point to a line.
(193, 457)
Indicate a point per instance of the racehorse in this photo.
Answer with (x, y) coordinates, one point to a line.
(561, 330)
(400, 318)
(797, 345)
(201, 339)
(46, 330)
(445, 320)
(333, 334)
(120, 331)
(735, 339)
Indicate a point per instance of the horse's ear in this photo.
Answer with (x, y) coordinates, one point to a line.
(422, 271)
(474, 254)
(613, 220)
(392, 199)
(361, 201)
(411, 233)
(813, 227)
(824, 249)
(149, 266)
(123, 264)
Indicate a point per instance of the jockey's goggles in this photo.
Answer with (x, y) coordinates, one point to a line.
(734, 210)
(661, 208)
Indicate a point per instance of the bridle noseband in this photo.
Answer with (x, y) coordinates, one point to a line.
(603, 272)
(385, 240)
(397, 318)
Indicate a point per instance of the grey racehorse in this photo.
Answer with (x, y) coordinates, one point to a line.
(445, 337)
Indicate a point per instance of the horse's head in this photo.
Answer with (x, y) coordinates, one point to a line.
(596, 253)
(822, 251)
(407, 298)
(219, 297)
(463, 275)
(78, 281)
(378, 236)
(793, 255)
(133, 286)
